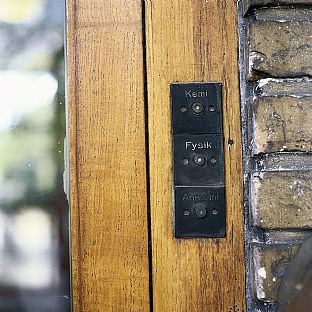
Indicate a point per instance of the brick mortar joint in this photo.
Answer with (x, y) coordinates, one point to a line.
(249, 9)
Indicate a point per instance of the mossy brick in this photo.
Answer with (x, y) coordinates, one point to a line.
(281, 200)
(281, 124)
(280, 49)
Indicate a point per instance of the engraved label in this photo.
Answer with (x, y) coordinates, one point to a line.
(191, 197)
(202, 94)
(196, 94)
(188, 93)
(201, 197)
(198, 145)
(213, 197)
(185, 197)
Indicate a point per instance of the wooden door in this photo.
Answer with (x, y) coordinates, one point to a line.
(122, 56)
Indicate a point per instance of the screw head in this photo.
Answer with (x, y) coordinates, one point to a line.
(197, 107)
(211, 108)
(215, 211)
(186, 212)
(199, 159)
(185, 161)
(200, 211)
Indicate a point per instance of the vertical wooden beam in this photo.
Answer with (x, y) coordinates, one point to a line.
(107, 155)
(194, 40)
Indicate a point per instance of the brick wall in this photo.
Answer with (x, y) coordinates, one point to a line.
(276, 92)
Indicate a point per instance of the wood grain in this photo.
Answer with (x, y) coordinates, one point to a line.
(194, 40)
(107, 156)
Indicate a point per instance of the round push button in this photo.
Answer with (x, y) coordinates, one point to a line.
(199, 160)
(197, 108)
(200, 211)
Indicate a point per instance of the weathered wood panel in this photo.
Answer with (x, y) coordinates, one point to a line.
(107, 156)
(193, 41)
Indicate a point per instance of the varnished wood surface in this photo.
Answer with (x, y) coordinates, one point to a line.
(194, 40)
(107, 156)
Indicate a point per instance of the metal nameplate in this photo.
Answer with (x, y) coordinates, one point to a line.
(200, 212)
(198, 157)
(208, 149)
(186, 119)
